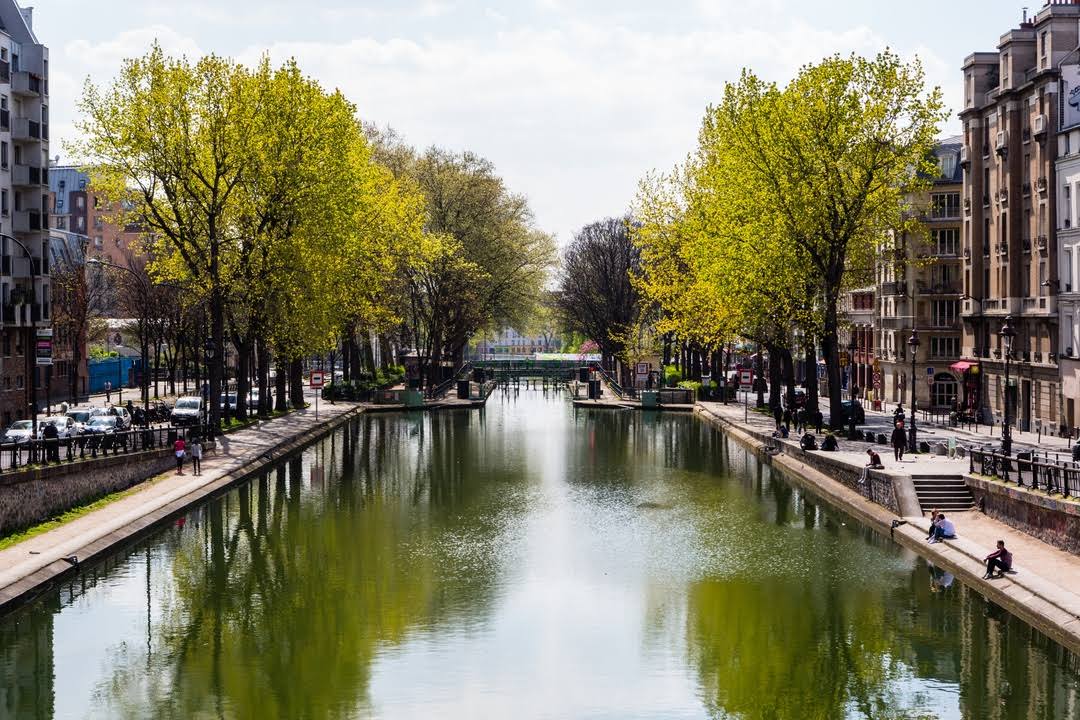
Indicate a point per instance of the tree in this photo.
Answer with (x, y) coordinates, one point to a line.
(596, 296)
(791, 191)
(177, 133)
(79, 295)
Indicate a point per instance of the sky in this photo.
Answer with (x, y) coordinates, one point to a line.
(574, 101)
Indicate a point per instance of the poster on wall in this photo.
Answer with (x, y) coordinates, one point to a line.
(1070, 95)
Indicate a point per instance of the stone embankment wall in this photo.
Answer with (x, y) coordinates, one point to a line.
(1053, 520)
(29, 497)
(880, 488)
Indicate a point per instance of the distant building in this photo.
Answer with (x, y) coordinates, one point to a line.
(920, 287)
(77, 208)
(511, 343)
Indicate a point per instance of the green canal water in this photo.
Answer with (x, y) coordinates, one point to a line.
(527, 561)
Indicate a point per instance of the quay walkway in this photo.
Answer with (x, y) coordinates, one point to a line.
(28, 566)
(1044, 590)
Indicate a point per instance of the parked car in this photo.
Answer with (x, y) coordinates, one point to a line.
(800, 398)
(187, 411)
(123, 417)
(101, 425)
(80, 417)
(229, 400)
(846, 409)
(20, 431)
(65, 426)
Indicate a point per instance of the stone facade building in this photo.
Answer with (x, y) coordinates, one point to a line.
(1011, 116)
(918, 287)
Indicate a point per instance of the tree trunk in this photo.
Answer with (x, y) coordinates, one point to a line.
(296, 383)
(789, 376)
(263, 358)
(810, 382)
(774, 376)
(281, 385)
(832, 363)
(243, 358)
(385, 353)
(759, 375)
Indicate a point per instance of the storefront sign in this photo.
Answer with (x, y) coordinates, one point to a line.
(1070, 95)
(43, 346)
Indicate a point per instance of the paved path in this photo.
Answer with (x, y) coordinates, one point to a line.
(33, 561)
(1046, 585)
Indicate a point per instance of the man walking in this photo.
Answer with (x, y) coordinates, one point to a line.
(108, 391)
(899, 441)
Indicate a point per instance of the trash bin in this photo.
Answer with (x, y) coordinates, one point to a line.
(583, 374)
(463, 389)
(412, 398)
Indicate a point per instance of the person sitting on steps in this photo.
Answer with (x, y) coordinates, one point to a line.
(1000, 559)
(943, 530)
(933, 523)
(829, 443)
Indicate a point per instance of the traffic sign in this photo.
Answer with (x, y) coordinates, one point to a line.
(877, 380)
(318, 378)
(930, 371)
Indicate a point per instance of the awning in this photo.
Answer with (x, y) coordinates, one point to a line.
(962, 366)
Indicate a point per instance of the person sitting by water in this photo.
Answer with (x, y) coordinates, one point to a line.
(1000, 559)
(808, 442)
(783, 432)
(874, 464)
(933, 523)
(829, 443)
(944, 530)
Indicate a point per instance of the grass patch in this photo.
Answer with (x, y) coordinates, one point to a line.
(72, 514)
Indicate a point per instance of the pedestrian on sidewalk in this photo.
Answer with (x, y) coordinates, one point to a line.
(819, 420)
(944, 530)
(108, 391)
(898, 412)
(196, 456)
(1000, 559)
(179, 449)
(777, 415)
(899, 441)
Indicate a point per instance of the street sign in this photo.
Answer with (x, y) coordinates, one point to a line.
(930, 380)
(317, 379)
(746, 377)
(930, 371)
(877, 380)
(43, 346)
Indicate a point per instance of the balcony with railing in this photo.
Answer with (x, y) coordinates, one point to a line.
(28, 176)
(24, 83)
(894, 288)
(27, 221)
(25, 130)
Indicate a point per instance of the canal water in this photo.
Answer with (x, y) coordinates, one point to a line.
(527, 561)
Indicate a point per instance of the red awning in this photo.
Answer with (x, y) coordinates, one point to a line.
(962, 366)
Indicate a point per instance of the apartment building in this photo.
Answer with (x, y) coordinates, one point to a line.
(1011, 116)
(858, 343)
(77, 208)
(510, 342)
(25, 347)
(919, 287)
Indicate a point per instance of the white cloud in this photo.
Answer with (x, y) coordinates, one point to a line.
(572, 109)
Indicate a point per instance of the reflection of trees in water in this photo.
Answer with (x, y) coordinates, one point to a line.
(26, 663)
(825, 642)
(284, 592)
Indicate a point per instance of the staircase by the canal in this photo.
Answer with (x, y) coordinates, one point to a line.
(943, 492)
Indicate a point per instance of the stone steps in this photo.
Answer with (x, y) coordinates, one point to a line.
(948, 492)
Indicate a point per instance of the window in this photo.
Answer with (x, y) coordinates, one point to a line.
(946, 242)
(945, 312)
(1042, 48)
(99, 222)
(1067, 271)
(3, 202)
(98, 242)
(944, 347)
(80, 202)
(945, 205)
(7, 344)
(947, 164)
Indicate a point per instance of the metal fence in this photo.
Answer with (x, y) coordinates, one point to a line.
(1047, 475)
(14, 456)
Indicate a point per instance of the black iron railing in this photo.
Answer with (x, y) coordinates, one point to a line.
(446, 386)
(1050, 476)
(14, 456)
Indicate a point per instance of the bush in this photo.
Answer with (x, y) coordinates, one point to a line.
(693, 385)
(365, 386)
(672, 376)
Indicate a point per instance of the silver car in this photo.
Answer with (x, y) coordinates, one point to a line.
(19, 431)
(65, 426)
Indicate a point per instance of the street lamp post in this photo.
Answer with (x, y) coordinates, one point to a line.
(852, 347)
(913, 343)
(1007, 334)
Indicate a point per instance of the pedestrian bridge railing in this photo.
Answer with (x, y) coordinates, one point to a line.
(1050, 476)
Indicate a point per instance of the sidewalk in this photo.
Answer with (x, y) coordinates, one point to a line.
(1043, 591)
(38, 560)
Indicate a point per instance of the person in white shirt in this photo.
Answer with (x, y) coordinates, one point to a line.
(944, 530)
